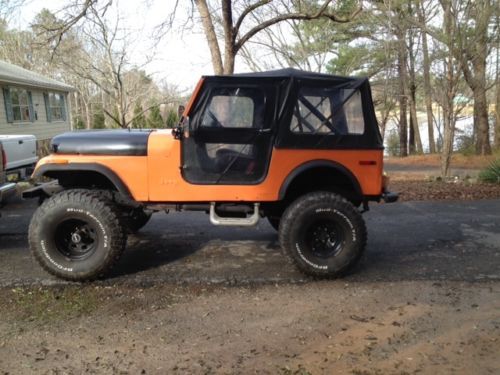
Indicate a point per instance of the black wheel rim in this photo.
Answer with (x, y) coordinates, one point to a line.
(325, 238)
(76, 239)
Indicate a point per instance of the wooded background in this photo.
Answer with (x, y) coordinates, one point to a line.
(433, 64)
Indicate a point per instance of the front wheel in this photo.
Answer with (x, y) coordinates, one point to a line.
(77, 235)
(323, 234)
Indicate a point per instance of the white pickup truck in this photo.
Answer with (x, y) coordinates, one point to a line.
(17, 159)
(6, 188)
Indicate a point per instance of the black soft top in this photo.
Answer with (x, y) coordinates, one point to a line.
(284, 87)
(289, 74)
(295, 73)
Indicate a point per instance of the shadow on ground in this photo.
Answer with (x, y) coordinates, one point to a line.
(407, 241)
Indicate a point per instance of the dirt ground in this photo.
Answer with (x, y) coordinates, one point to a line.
(312, 328)
(360, 326)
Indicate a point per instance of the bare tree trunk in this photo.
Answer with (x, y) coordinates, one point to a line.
(411, 134)
(75, 108)
(476, 53)
(104, 102)
(427, 82)
(403, 98)
(497, 114)
(403, 127)
(483, 146)
(85, 111)
(88, 117)
(208, 27)
(497, 79)
(417, 144)
(411, 88)
(229, 37)
(448, 120)
(229, 59)
(449, 136)
(448, 105)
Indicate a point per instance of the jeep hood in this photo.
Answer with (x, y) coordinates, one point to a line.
(102, 142)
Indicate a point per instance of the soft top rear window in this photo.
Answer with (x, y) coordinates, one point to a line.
(328, 111)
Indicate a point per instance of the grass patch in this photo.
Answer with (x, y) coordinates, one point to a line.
(46, 305)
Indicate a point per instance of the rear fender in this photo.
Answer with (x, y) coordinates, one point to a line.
(320, 164)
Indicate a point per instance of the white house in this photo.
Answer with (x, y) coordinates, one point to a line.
(32, 103)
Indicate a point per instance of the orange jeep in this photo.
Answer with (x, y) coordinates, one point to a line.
(301, 149)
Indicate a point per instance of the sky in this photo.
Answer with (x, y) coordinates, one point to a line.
(181, 56)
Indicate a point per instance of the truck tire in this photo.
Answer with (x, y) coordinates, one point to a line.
(136, 219)
(77, 235)
(323, 234)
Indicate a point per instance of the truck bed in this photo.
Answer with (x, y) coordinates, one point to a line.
(19, 150)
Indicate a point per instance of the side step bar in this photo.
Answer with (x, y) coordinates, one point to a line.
(232, 221)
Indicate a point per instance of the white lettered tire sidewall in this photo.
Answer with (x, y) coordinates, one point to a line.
(322, 207)
(86, 207)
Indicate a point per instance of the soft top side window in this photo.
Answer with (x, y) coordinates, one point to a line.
(235, 108)
(328, 111)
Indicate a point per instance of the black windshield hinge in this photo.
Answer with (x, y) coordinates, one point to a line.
(177, 132)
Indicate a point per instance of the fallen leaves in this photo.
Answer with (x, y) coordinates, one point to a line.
(438, 190)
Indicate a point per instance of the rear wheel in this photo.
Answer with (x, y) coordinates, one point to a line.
(323, 234)
(77, 235)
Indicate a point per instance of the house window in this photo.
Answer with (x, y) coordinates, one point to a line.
(54, 104)
(18, 105)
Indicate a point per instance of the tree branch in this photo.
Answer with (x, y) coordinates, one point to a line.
(246, 12)
(321, 13)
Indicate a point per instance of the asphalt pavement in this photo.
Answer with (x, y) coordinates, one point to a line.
(457, 241)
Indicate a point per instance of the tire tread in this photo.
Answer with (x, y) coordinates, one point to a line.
(94, 201)
(306, 201)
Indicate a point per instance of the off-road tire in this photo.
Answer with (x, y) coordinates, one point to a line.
(71, 215)
(136, 219)
(133, 218)
(323, 234)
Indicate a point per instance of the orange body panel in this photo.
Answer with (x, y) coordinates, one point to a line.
(132, 170)
(166, 183)
(157, 177)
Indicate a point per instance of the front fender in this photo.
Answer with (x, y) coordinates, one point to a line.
(46, 168)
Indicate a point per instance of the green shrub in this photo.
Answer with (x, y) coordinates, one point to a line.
(99, 121)
(491, 173)
(392, 143)
(78, 123)
(139, 120)
(154, 120)
(172, 118)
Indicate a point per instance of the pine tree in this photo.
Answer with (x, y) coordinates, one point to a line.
(154, 119)
(172, 118)
(139, 120)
